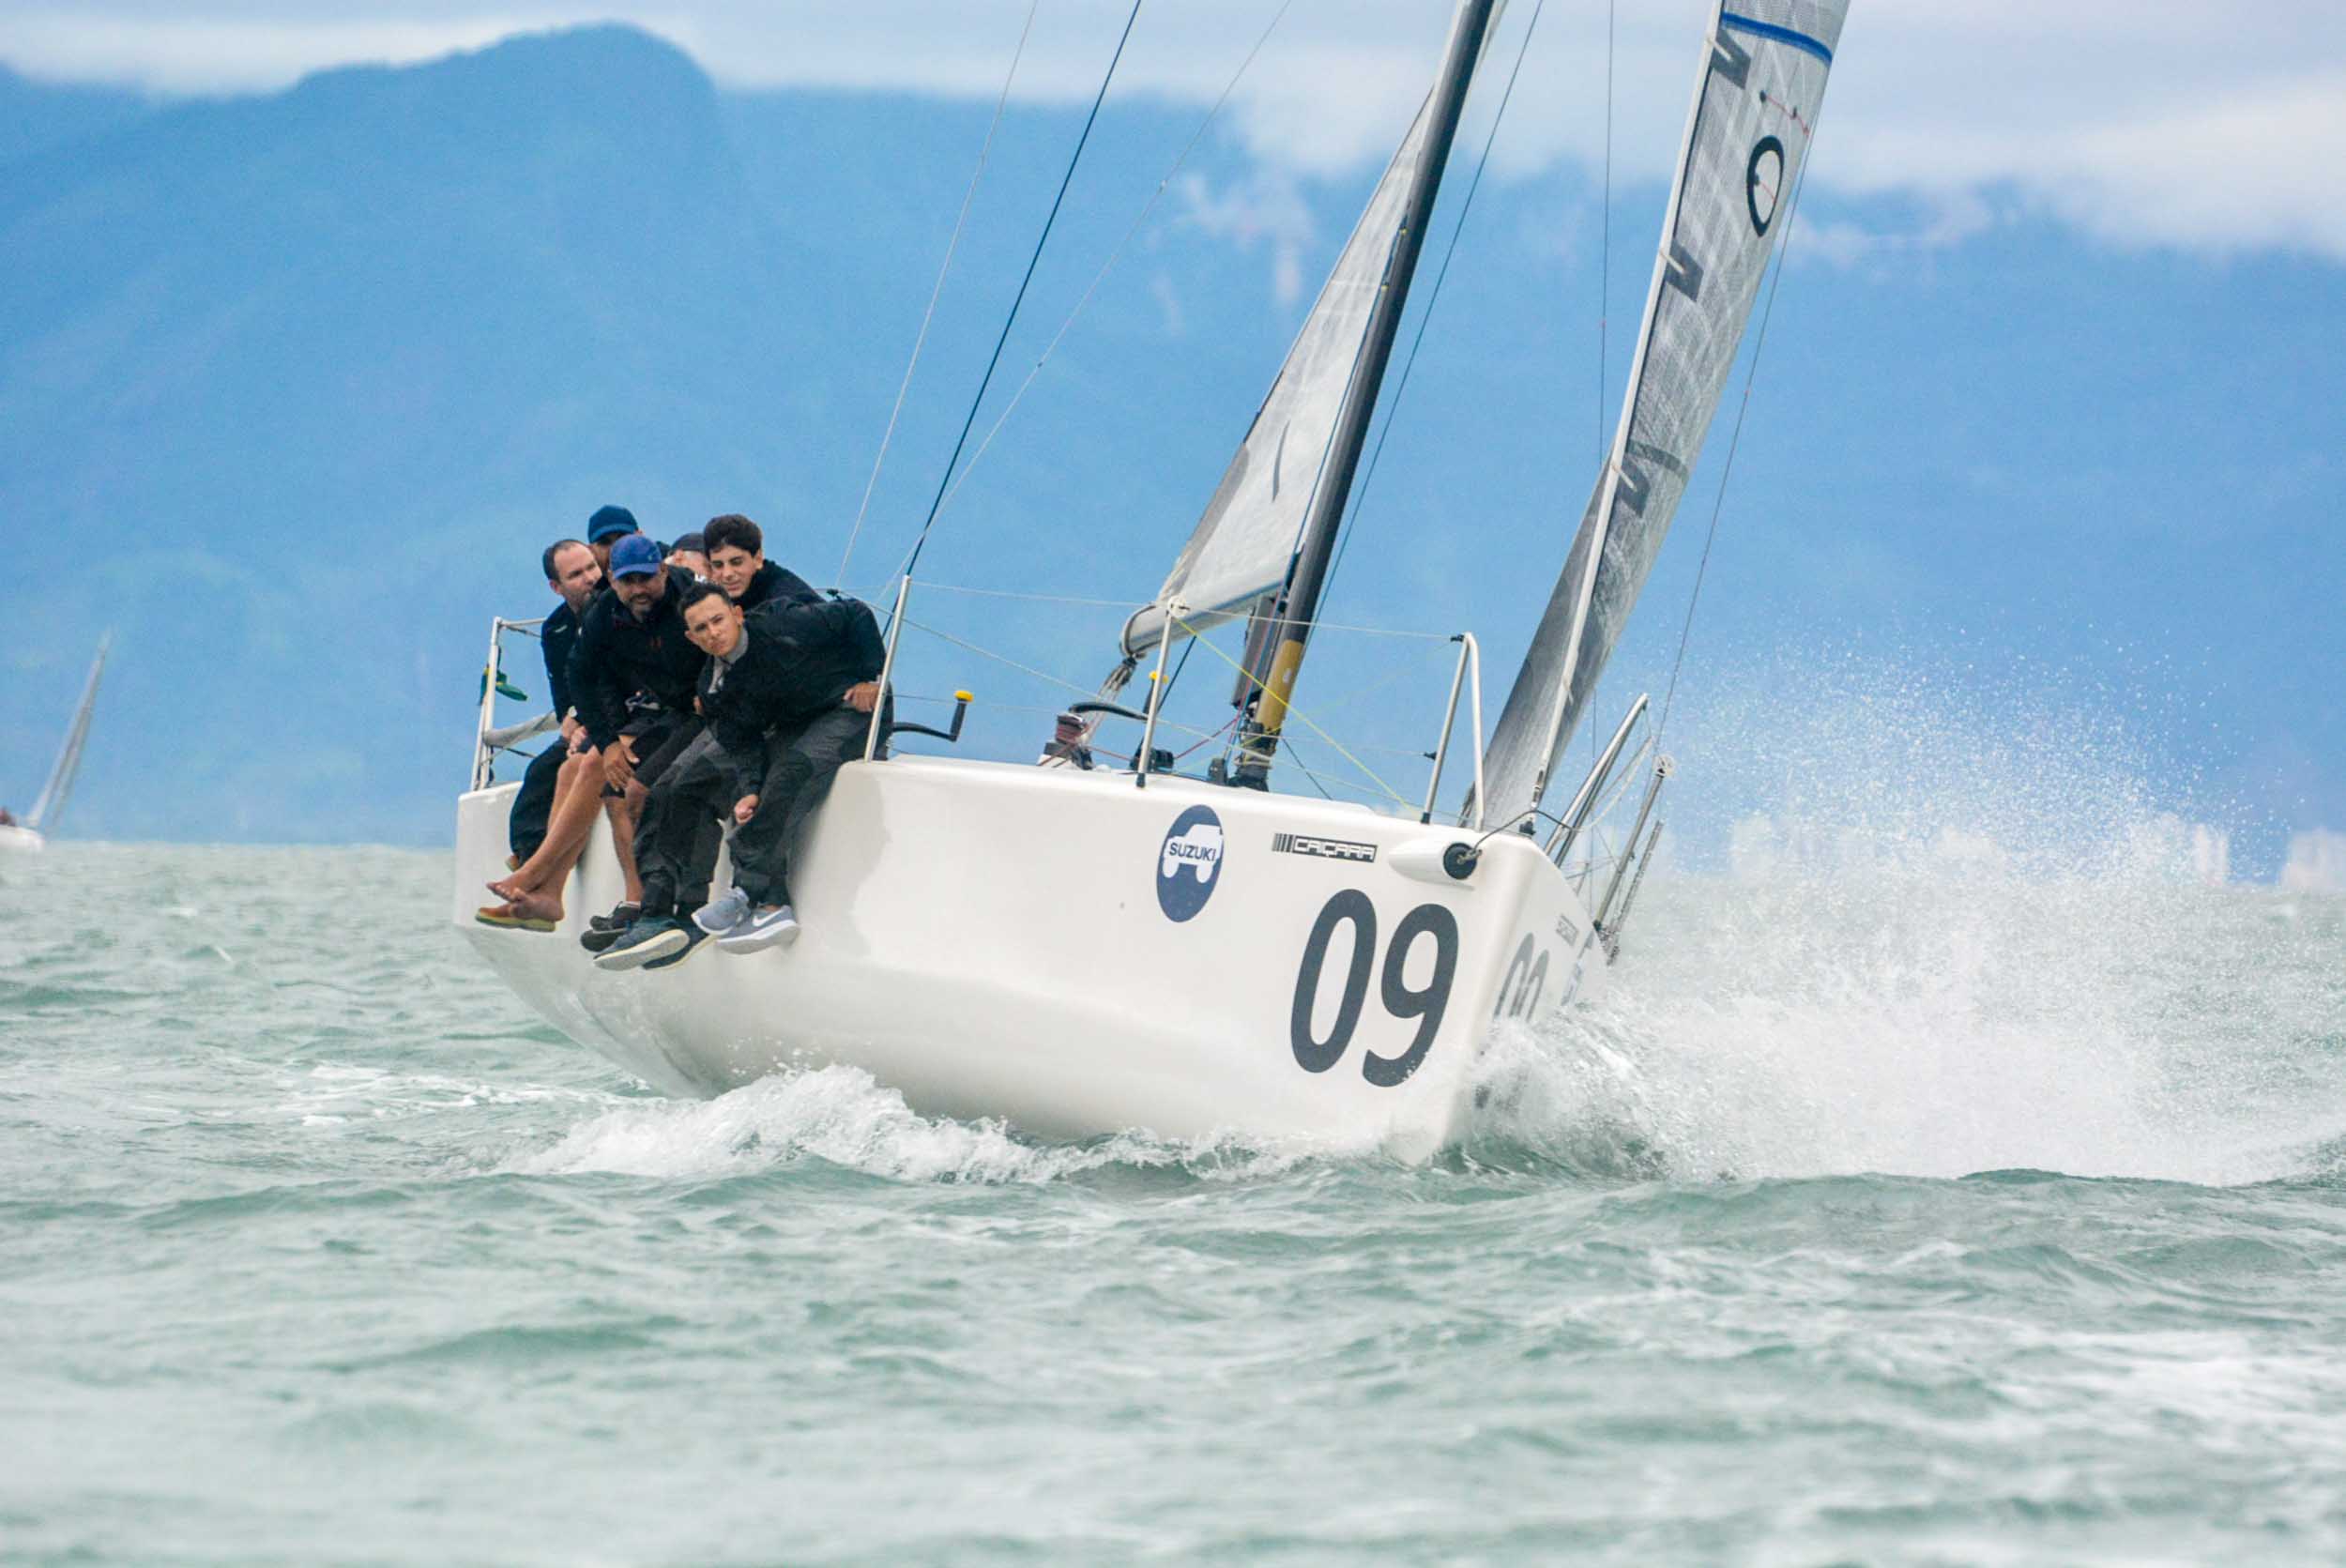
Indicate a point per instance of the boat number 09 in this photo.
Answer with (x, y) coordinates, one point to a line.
(1351, 907)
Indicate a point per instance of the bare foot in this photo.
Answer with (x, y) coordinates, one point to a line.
(539, 906)
(507, 888)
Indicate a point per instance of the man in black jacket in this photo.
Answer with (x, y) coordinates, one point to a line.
(738, 564)
(573, 574)
(632, 672)
(796, 706)
(788, 693)
(677, 836)
(605, 529)
(554, 811)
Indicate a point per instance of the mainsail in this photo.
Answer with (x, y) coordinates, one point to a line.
(1246, 541)
(1748, 136)
(59, 789)
(1243, 543)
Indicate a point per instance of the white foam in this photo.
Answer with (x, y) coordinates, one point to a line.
(2317, 863)
(842, 1115)
(1941, 941)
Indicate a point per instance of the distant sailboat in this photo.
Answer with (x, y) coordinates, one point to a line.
(27, 834)
(1082, 950)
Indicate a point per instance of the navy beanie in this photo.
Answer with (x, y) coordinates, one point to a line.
(608, 523)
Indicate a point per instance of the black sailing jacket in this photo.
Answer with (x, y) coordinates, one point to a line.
(774, 583)
(557, 639)
(801, 658)
(619, 657)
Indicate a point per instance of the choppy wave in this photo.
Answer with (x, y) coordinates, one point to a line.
(1949, 946)
(291, 1187)
(843, 1117)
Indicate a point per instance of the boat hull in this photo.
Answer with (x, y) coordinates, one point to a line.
(1077, 956)
(20, 840)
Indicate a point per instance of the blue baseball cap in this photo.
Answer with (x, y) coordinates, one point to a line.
(635, 557)
(608, 523)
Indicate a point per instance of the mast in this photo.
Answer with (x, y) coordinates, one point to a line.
(1272, 677)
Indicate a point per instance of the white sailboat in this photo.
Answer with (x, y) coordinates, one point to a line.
(25, 835)
(1081, 950)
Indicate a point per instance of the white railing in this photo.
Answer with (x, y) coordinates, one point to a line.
(489, 738)
(1466, 681)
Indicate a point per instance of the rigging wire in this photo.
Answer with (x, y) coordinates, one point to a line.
(1198, 640)
(1433, 298)
(978, 401)
(1117, 252)
(922, 338)
(1604, 278)
(1605, 243)
(1727, 471)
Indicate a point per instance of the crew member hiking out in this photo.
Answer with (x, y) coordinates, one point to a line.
(790, 704)
(677, 834)
(794, 709)
(573, 574)
(634, 673)
(738, 564)
(605, 529)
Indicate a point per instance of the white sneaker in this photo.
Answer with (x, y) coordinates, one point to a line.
(724, 913)
(765, 928)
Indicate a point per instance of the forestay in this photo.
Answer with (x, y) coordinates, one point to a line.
(1748, 137)
(1245, 541)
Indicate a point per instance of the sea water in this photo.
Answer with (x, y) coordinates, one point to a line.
(1897, 1207)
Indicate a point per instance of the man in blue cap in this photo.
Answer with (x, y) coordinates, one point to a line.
(633, 676)
(533, 893)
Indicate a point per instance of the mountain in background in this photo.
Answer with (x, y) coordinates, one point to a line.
(294, 388)
(286, 382)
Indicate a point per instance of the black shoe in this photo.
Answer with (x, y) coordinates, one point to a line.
(653, 936)
(617, 919)
(693, 938)
(597, 938)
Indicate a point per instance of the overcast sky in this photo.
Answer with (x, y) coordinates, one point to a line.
(2210, 129)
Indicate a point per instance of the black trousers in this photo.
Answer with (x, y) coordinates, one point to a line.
(799, 764)
(526, 829)
(678, 835)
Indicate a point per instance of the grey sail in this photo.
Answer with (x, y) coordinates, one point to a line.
(1244, 543)
(53, 796)
(1748, 137)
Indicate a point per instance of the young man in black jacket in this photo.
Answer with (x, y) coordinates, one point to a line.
(795, 707)
(677, 836)
(738, 564)
(788, 693)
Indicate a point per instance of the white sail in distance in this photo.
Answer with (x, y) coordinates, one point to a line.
(1748, 136)
(59, 789)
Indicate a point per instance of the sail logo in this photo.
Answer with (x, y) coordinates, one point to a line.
(1189, 863)
(1763, 180)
